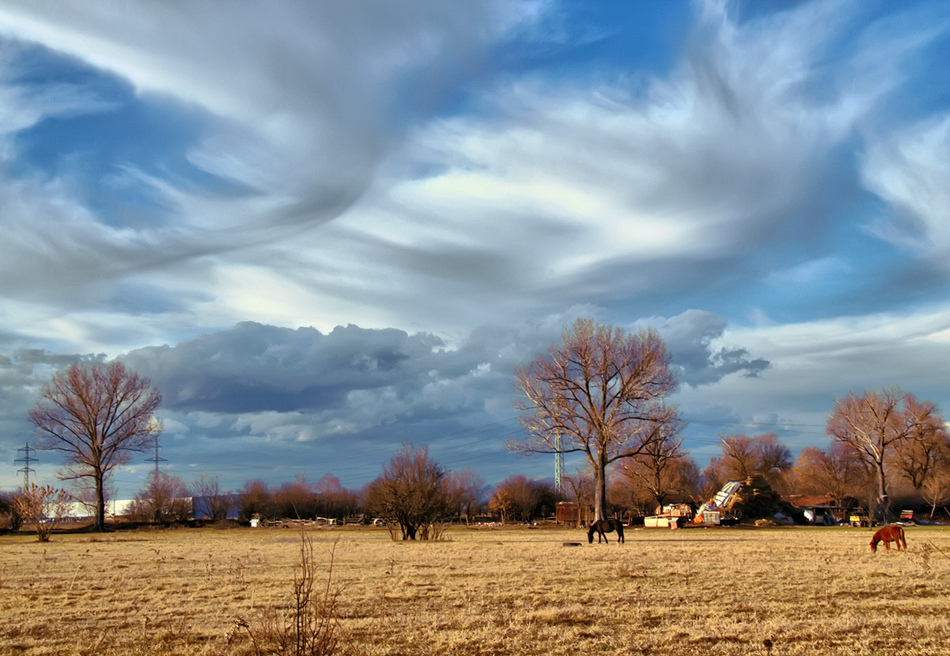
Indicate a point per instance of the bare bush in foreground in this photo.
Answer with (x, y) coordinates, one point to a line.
(310, 627)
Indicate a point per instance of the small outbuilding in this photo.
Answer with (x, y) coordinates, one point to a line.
(819, 509)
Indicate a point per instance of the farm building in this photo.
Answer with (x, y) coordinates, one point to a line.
(819, 509)
(567, 512)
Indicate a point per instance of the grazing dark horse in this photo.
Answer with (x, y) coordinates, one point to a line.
(603, 526)
(887, 535)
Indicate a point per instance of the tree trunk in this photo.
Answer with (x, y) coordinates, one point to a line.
(600, 489)
(883, 499)
(100, 506)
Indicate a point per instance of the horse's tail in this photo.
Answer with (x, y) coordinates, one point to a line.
(900, 538)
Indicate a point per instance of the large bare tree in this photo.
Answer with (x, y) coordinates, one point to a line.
(98, 416)
(599, 392)
(927, 444)
(878, 426)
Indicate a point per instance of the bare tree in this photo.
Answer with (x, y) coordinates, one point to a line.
(98, 416)
(655, 467)
(599, 392)
(211, 501)
(875, 425)
(580, 487)
(163, 500)
(255, 498)
(335, 500)
(501, 503)
(926, 445)
(836, 471)
(412, 492)
(714, 477)
(524, 498)
(936, 488)
(738, 456)
(466, 491)
(744, 456)
(296, 499)
(774, 458)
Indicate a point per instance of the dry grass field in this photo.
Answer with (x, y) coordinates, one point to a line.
(484, 591)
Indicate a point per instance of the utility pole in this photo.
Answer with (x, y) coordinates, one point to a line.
(155, 458)
(26, 460)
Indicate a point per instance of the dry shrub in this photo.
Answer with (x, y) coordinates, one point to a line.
(43, 506)
(310, 626)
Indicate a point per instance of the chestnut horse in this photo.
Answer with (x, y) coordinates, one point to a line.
(604, 526)
(887, 535)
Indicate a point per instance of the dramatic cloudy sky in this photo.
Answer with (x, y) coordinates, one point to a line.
(324, 229)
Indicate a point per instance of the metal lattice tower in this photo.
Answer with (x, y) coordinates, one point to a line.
(155, 458)
(26, 460)
(558, 462)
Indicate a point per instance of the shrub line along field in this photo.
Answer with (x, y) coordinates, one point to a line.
(796, 590)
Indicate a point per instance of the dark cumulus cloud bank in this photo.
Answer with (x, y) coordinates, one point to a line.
(355, 381)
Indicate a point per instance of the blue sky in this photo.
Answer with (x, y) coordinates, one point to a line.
(324, 229)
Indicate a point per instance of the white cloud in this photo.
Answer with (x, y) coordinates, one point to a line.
(815, 362)
(313, 82)
(569, 192)
(911, 172)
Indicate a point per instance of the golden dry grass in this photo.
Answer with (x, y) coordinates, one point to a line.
(487, 592)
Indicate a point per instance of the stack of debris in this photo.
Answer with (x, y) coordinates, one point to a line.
(750, 499)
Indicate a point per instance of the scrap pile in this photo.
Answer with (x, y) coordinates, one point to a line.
(722, 504)
(752, 498)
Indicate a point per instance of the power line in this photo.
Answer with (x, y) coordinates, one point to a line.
(467, 446)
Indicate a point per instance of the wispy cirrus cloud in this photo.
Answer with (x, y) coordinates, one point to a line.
(460, 182)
